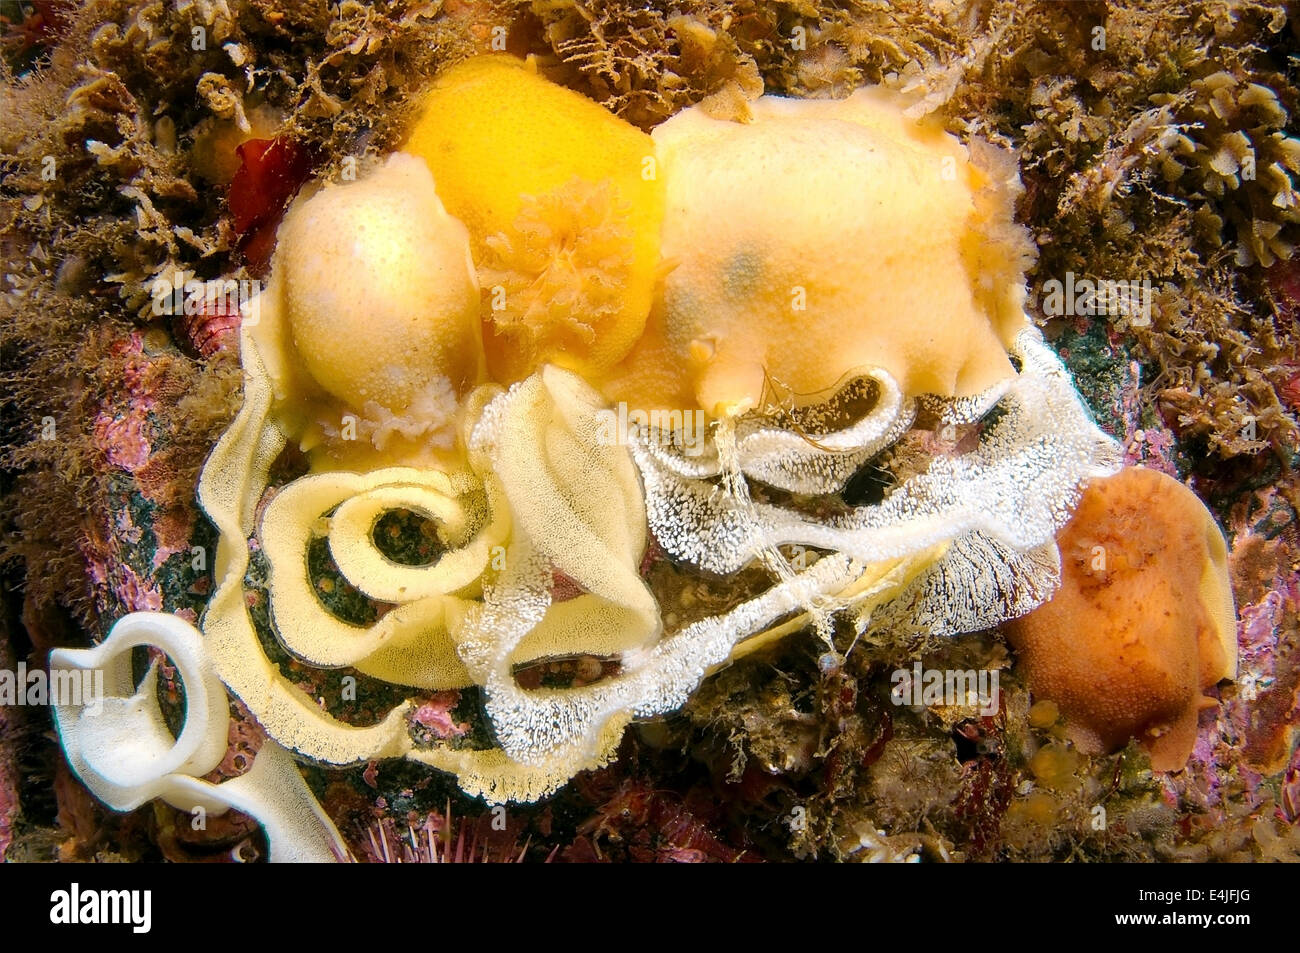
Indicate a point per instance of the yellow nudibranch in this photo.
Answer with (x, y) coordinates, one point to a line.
(650, 265)
(447, 334)
(563, 203)
(819, 236)
(411, 328)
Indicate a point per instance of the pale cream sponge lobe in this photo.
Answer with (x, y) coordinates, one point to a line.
(379, 289)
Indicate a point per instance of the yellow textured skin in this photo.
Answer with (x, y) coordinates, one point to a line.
(819, 237)
(563, 204)
(379, 290)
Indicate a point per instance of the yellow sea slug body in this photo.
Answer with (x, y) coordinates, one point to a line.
(368, 328)
(821, 236)
(563, 204)
(379, 291)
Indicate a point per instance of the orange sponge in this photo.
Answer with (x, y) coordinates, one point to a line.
(1144, 621)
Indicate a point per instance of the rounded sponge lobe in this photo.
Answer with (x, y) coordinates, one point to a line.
(379, 290)
(821, 236)
(1144, 620)
(563, 203)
